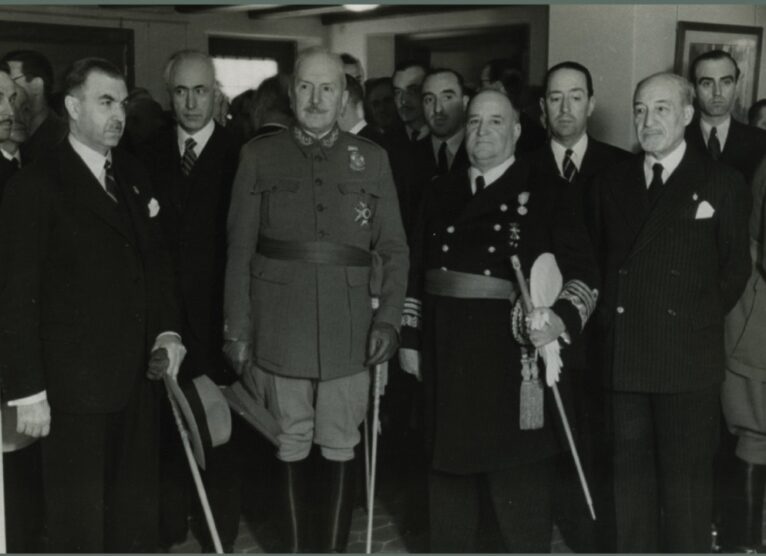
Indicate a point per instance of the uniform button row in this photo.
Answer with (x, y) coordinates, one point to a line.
(620, 310)
(451, 229)
(445, 248)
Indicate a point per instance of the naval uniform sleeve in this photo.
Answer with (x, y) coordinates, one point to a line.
(242, 235)
(574, 254)
(390, 244)
(24, 230)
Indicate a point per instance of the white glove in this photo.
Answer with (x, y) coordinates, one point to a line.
(409, 361)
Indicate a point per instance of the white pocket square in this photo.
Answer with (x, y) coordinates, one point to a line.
(704, 210)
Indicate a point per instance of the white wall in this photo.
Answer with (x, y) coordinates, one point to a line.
(622, 44)
(353, 37)
(158, 33)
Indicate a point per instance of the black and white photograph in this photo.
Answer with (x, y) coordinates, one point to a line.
(382, 278)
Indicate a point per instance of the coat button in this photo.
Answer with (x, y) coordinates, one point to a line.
(445, 248)
(620, 310)
(451, 229)
(491, 249)
(318, 182)
(497, 227)
(444, 268)
(487, 272)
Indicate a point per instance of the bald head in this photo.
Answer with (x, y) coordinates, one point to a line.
(492, 130)
(319, 91)
(661, 111)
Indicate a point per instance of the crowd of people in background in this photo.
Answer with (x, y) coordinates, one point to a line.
(244, 239)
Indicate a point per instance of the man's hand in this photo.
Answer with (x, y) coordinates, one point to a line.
(382, 344)
(238, 353)
(409, 361)
(34, 419)
(174, 354)
(551, 329)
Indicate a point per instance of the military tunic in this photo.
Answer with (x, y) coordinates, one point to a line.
(309, 320)
(471, 361)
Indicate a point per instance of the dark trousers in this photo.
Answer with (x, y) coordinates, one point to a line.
(663, 464)
(222, 478)
(513, 505)
(100, 476)
(23, 482)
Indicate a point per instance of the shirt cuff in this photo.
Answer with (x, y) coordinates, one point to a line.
(29, 400)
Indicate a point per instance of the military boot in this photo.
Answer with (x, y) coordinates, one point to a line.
(294, 506)
(741, 526)
(335, 504)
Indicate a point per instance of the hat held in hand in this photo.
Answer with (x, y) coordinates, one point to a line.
(205, 413)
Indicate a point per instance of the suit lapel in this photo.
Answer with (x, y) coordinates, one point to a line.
(88, 190)
(630, 196)
(678, 189)
(202, 167)
(131, 196)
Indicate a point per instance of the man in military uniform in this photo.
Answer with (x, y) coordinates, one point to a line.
(312, 206)
(473, 221)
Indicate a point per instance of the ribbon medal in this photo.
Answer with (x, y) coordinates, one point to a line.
(363, 214)
(523, 199)
(514, 234)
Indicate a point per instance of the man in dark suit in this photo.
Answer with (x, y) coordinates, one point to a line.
(8, 96)
(715, 75)
(408, 90)
(482, 463)
(672, 229)
(571, 158)
(33, 72)
(192, 165)
(88, 297)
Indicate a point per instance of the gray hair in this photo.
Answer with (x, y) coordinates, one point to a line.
(181, 56)
(684, 87)
(336, 60)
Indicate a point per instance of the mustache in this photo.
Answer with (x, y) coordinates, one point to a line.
(115, 127)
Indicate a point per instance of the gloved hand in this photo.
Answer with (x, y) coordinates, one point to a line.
(545, 326)
(409, 362)
(238, 354)
(174, 352)
(382, 343)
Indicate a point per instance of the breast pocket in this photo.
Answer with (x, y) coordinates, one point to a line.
(271, 307)
(278, 199)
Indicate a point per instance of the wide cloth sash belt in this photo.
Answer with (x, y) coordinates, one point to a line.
(318, 252)
(448, 283)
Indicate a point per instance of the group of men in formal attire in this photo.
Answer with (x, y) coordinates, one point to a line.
(320, 249)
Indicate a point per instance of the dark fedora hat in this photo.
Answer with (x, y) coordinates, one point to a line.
(204, 411)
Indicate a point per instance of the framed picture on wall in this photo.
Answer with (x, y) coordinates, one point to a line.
(742, 42)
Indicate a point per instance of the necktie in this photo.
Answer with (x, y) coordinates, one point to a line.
(713, 144)
(414, 135)
(14, 163)
(655, 187)
(110, 182)
(189, 157)
(442, 166)
(570, 170)
(480, 183)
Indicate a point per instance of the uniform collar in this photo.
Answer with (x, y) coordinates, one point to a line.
(327, 140)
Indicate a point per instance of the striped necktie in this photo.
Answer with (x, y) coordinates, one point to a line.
(570, 170)
(110, 183)
(189, 157)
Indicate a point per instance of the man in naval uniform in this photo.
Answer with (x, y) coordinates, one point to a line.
(472, 222)
(312, 206)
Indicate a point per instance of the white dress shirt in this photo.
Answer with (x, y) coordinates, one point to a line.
(578, 152)
(721, 131)
(669, 163)
(491, 175)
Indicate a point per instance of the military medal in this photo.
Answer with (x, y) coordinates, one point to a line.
(523, 199)
(514, 234)
(363, 214)
(531, 415)
(356, 160)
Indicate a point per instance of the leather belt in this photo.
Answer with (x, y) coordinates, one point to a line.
(448, 283)
(318, 252)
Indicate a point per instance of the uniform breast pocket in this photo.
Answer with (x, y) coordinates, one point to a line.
(277, 199)
(271, 307)
(359, 202)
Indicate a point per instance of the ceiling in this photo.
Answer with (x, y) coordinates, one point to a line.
(328, 14)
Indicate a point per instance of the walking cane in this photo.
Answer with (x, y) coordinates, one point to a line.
(194, 470)
(2, 491)
(374, 456)
(529, 307)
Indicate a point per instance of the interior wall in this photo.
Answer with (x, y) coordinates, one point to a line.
(159, 32)
(372, 41)
(633, 41)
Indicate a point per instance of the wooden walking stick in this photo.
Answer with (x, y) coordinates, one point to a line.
(529, 307)
(194, 470)
(377, 385)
